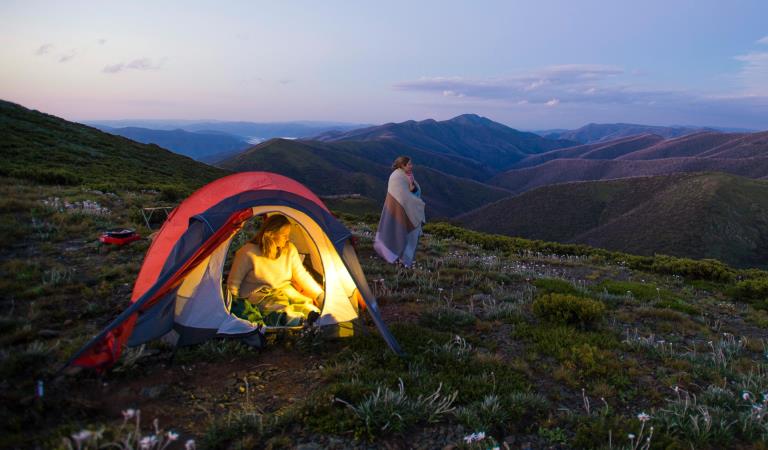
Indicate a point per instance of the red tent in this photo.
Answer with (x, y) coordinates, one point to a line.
(179, 286)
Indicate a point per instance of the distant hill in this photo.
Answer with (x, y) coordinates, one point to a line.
(253, 131)
(599, 132)
(49, 149)
(707, 145)
(600, 150)
(196, 145)
(467, 136)
(569, 170)
(344, 168)
(742, 154)
(699, 215)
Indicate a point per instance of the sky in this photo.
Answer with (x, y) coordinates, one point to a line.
(540, 64)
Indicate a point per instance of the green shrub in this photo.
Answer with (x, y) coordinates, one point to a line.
(568, 309)
(555, 285)
(752, 290)
(172, 194)
(47, 176)
(707, 269)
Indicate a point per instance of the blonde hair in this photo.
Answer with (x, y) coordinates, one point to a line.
(265, 238)
(400, 162)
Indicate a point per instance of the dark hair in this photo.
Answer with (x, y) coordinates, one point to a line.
(400, 162)
(263, 238)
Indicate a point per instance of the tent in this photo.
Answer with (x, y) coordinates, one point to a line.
(179, 286)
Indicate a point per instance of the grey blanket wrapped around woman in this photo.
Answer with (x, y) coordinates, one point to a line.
(401, 220)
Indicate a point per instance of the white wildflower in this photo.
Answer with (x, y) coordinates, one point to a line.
(643, 417)
(129, 414)
(83, 435)
(172, 436)
(190, 445)
(474, 437)
(147, 442)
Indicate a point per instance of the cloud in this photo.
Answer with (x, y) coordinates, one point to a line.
(102, 41)
(142, 64)
(575, 83)
(595, 92)
(763, 41)
(67, 56)
(44, 49)
(754, 72)
(452, 94)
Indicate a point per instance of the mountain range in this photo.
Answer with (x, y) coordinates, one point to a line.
(340, 168)
(248, 131)
(201, 146)
(462, 175)
(468, 136)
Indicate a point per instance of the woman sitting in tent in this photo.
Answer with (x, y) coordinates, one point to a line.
(268, 272)
(402, 216)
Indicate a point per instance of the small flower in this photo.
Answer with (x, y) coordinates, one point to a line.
(676, 389)
(643, 417)
(147, 442)
(745, 395)
(83, 435)
(631, 436)
(474, 437)
(190, 445)
(129, 414)
(172, 436)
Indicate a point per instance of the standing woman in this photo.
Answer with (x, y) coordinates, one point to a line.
(402, 216)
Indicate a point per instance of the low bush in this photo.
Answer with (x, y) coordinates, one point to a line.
(568, 309)
(47, 176)
(555, 285)
(752, 290)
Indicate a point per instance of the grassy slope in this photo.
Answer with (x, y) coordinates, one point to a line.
(40, 146)
(696, 215)
(340, 169)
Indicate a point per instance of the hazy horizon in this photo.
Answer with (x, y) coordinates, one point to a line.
(532, 66)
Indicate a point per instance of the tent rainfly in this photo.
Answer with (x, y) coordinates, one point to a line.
(179, 286)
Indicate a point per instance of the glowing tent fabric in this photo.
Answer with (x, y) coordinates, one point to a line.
(179, 285)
